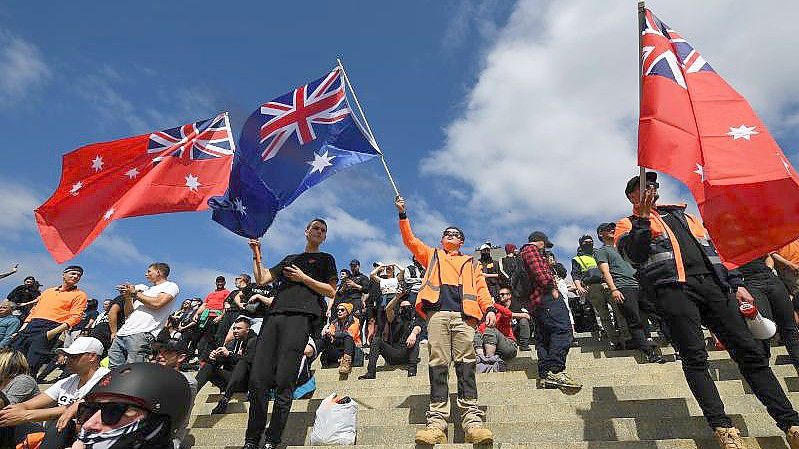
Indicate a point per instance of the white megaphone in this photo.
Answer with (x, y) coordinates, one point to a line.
(761, 327)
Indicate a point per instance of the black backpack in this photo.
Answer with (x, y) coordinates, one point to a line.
(521, 284)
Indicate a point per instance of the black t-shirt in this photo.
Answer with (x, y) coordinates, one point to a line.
(22, 294)
(693, 256)
(251, 289)
(298, 297)
(232, 306)
(490, 266)
(351, 294)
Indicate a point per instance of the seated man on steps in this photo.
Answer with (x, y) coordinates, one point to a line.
(340, 339)
(499, 340)
(228, 366)
(402, 345)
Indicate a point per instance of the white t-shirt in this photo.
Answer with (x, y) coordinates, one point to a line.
(66, 391)
(145, 318)
(389, 286)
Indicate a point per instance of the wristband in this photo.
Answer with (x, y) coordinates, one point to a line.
(403, 215)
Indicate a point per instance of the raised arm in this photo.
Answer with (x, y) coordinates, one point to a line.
(421, 251)
(261, 273)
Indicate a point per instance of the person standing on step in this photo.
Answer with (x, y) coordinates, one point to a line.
(297, 312)
(553, 327)
(690, 286)
(772, 301)
(453, 299)
(619, 276)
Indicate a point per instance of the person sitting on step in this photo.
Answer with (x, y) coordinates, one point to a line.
(498, 340)
(402, 345)
(340, 339)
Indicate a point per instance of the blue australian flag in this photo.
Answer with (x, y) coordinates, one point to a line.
(287, 146)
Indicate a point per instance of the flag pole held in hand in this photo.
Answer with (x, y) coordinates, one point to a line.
(641, 20)
(368, 128)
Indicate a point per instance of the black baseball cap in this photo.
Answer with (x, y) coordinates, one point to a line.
(635, 181)
(605, 227)
(538, 236)
(173, 344)
(77, 268)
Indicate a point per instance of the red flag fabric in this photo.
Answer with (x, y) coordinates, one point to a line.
(698, 129)
(174, 170)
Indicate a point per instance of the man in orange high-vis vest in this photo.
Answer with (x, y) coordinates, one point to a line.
(453, 299)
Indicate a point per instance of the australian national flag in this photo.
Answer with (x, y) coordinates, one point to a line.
(287, 146)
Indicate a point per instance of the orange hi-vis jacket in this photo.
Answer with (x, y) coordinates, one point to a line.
(353, 329)
(454, 270)
(652, 247)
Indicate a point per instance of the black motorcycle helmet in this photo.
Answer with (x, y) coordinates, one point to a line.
(160, 390)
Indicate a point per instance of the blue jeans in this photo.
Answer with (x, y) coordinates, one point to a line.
(130, 349)
(553, 334)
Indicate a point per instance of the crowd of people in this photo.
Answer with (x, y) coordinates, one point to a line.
(655, 273)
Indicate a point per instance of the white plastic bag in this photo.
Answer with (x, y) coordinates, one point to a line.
(335, 423)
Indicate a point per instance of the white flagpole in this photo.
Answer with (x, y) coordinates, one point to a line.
(368, 128)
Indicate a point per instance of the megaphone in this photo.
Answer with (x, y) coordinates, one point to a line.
(761, 327)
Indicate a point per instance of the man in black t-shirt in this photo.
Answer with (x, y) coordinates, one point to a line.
(297, 312)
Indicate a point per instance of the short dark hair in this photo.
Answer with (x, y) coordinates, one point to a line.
(161, 267)
(316, 220)
(243, 319)
(246, 277)
(220, 278)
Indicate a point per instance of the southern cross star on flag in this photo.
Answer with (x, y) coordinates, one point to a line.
(287, 146)
(173, 170)
(697, 128)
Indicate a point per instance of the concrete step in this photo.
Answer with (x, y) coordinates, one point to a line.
(751, 443)
(584, 428)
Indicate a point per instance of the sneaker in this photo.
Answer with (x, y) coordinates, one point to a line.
(412, 371)
(345, 364)
(430, 436)
(560, 380)
(367, 375)
(525, 348)
(653, 357)
(479, 435)
(221, 407)
(792, 435)
(729, 438)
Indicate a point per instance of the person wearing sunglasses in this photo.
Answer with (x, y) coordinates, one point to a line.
(340, 339)
(127, 410)
(684, 276)
(453, 299)
(58, 404)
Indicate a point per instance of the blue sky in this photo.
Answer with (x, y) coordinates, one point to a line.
(500, 116)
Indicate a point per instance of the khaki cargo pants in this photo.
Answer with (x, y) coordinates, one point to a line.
(451, 339)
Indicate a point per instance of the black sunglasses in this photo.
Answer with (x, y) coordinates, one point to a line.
(652, 184)
(455, 234)
(341, 310)
(110, 412)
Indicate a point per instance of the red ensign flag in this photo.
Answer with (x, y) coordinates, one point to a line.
(174, 170)
(697, 128)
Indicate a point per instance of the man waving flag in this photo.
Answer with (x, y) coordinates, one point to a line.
(173, 170)
(287, 146)
(697, 128)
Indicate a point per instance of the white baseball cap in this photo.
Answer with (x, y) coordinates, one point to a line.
(83, 345)
(485, 245)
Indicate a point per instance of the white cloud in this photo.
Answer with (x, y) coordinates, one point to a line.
(117, 248)
(552, 116)
(17, 203)
(22, 68)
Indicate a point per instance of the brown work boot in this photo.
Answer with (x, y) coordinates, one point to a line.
(430, 436)
(792, 435)
(479, 435)
(345, 364)
(729, 438)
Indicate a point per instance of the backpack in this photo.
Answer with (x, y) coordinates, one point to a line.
(492, 364)
(521, 284)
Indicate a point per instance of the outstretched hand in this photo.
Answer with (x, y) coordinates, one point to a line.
(400, 203)
(648, 202)
(255, 245)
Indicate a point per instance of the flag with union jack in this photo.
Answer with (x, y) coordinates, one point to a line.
(287, 146)
(697, 128)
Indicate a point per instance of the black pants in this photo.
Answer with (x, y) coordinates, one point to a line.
(277, 359)
(228, 380)
(632, 314)
(55, 439)
(553, 334)
(397, 354)
(773, 302)
(36, 347)
(334, 348)
(208, 341)
(700, 300)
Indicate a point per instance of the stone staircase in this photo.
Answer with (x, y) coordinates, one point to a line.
(624, 404)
